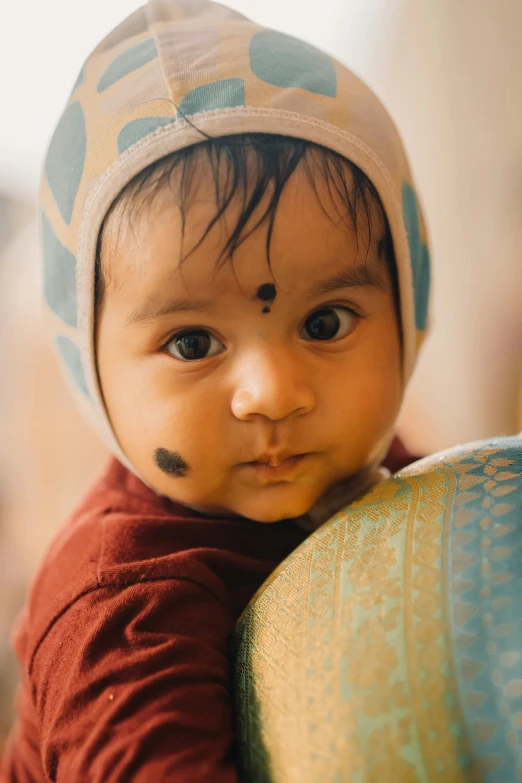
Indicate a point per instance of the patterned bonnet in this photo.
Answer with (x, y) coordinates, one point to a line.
(172, 59)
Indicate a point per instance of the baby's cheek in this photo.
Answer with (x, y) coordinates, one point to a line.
(365, 413)
(171, 462)
(181, 454)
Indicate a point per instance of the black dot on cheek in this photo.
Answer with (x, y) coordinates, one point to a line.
(266, 292)
(266, 309)
(171, 463)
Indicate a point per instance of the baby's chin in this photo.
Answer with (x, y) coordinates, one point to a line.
(307, 508)
(257, 509)
(268, 512)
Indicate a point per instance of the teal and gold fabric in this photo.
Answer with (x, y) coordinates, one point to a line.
(388, 647)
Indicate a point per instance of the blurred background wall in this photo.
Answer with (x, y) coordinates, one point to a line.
(450, 74)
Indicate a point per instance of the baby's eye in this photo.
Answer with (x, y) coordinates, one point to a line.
(196, 344)
(329, 322)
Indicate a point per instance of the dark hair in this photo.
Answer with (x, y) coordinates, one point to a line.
(255, 164)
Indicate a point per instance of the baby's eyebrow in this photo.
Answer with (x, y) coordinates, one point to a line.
(152, 311)
(367, 275)
(360, 275)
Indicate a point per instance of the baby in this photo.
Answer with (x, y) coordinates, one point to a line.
(236, 274)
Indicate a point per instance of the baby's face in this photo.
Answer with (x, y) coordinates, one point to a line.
(206, 374)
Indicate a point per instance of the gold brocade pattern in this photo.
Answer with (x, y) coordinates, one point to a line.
(347, 659)
(392, 657)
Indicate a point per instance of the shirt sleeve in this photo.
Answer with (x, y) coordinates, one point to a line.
(132, 683)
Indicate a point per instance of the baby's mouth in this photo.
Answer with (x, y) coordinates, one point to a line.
(275, 459)
(275, 469)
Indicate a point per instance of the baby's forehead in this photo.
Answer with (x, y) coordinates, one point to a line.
(159, 285)
(320, 181)
(301, 229)
(188, 207)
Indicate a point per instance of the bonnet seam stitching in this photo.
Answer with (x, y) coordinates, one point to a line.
(218, 114)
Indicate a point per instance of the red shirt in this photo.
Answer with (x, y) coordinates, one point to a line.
(123, 642)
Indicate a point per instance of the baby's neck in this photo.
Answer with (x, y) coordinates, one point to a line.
(341, 495)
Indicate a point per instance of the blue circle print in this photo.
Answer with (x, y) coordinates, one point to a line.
(66, 159)
(284, 61)
(128, 61)
(224, 94)
(419, 255)
(135, 130)
(59, 275)
(71, 358)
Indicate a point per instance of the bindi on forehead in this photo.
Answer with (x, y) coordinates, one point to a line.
(266, 293)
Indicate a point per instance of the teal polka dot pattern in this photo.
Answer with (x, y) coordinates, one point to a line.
(65, 159)
(284, 61)
(419, 254)
(59, 275)
(225, 94)
(138, 129)
(128, 61)
(70, 356)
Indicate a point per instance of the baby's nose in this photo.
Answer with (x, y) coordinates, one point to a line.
(272, 382)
